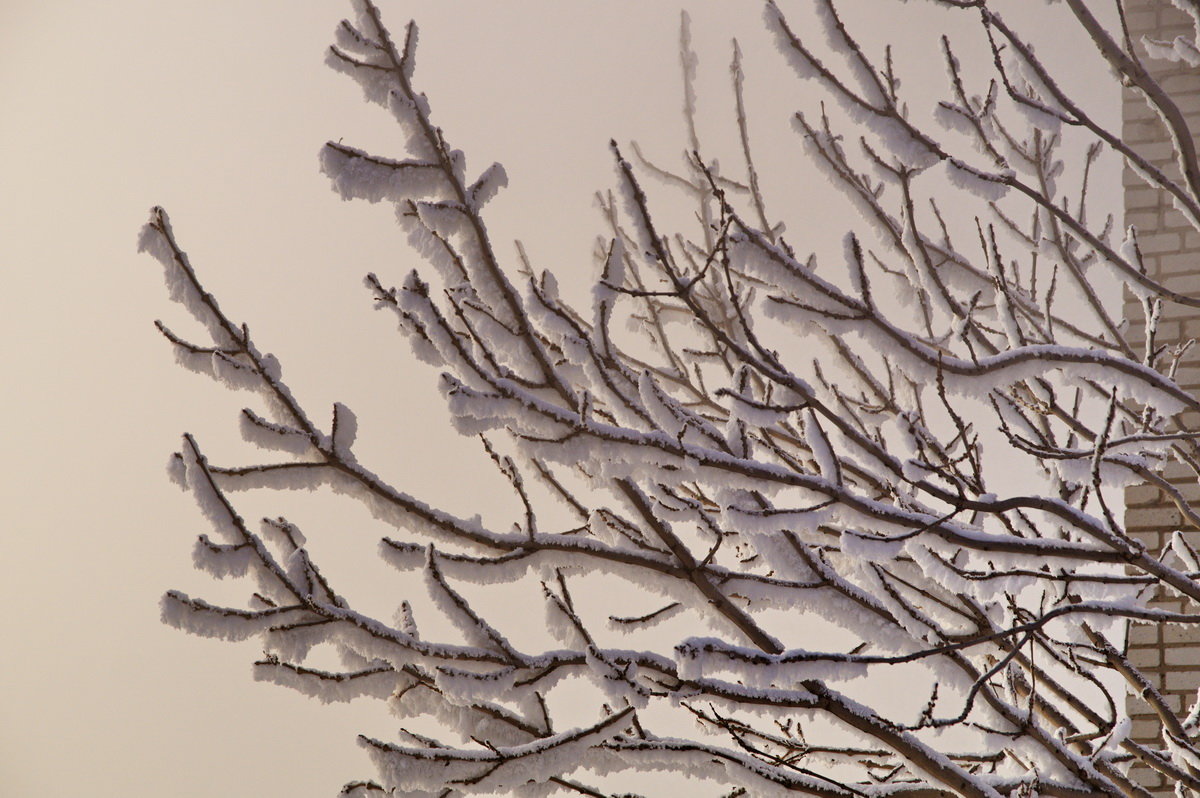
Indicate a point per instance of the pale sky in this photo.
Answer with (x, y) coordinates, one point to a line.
(217, 110)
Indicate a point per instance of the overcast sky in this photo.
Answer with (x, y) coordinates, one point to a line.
(216, 110)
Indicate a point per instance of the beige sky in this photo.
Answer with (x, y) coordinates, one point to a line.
(216, 110)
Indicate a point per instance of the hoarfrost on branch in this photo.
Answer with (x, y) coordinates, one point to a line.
(784, 452)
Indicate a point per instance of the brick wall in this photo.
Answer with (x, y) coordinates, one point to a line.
(1172, 254)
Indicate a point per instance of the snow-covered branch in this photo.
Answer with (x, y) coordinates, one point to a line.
(902, 465)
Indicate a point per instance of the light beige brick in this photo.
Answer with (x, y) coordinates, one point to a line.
(1147, 729)
(1174, 636)
(1142, 494)
(1156, 243)
(1153, 517)
(1182, 681)
(1183, 655)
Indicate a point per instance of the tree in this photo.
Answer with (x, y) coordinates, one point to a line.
(905, 468)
